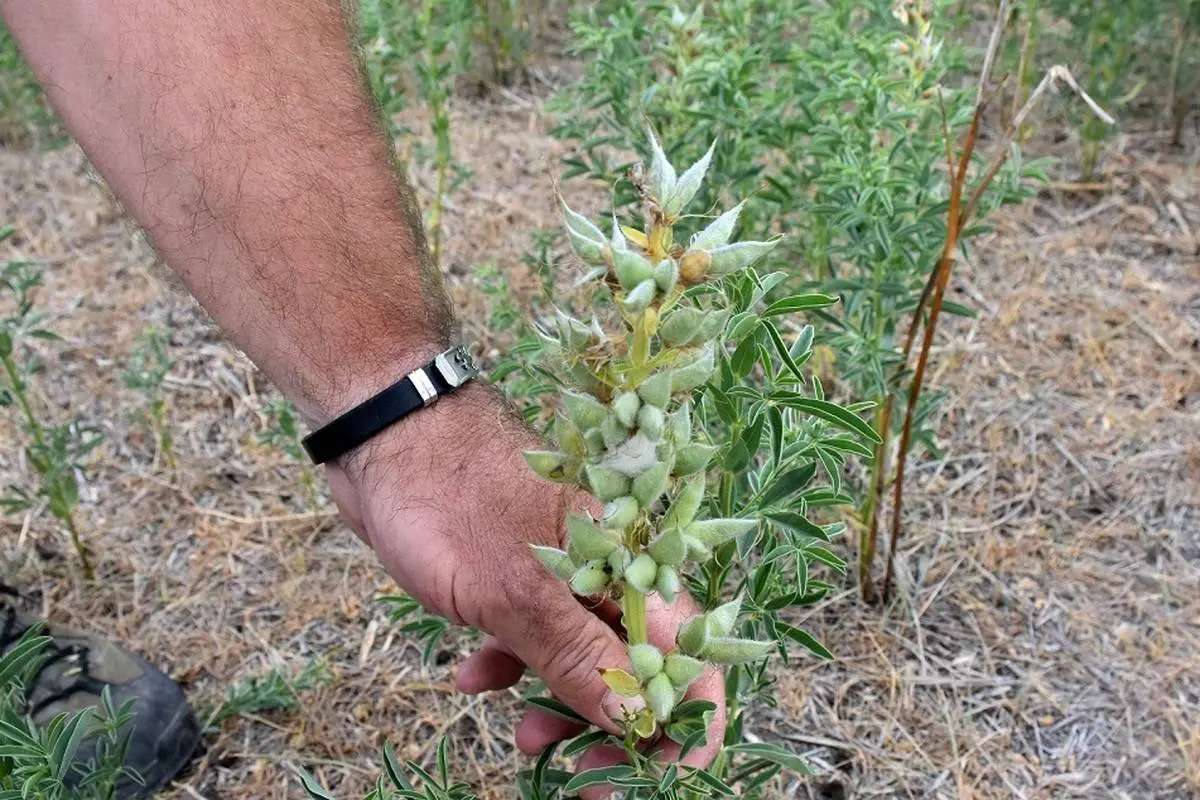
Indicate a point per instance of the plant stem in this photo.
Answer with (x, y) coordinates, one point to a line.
(80, 547)
(635, 616)
(18, 390)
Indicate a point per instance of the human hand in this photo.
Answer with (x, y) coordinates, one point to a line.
(447, 502)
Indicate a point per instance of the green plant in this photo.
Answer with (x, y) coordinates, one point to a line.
(684, 414)
(271, 692)
(146, 371)
(24, 114)
(38, 761)
(55, 452)
(281, 430)
(434, 41)
(838, 116)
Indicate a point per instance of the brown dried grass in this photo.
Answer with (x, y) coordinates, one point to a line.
(1046, 637)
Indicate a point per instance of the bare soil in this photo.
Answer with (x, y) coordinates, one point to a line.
(1045, 641)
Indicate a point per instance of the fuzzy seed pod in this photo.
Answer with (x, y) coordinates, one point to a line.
(606, 484)
(718, 231)
(619, 513)
(693, 636)
(738, 256)
(626, 406)
(735, 651)
(586, 541)
(650, 422)
(656, 390)
(660, 697)
(570, 439)
(641, 574)
(619, 561)
(650, 485)
(589, 251)
(555, 560)
(685, 504)
(696, 549)
(631, 268)
(617, 241)
(665, 275)
(667, 583)
(715, 532)
(595, 442)
(694, 265)
(722, 618)
(584, 410)
(641, 296)
(615, 434)
(681, 326)
(713, 324)
(647, 661)
(693, 457)
(591, 578)
(668, 548)
(682, 670)
(547, 464)
(681, 424)
(695, 372)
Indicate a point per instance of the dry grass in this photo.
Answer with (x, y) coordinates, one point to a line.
(1046, 642)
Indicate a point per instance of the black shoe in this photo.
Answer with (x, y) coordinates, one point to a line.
(164, 729)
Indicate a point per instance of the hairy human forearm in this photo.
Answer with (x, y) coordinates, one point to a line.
(240, 137)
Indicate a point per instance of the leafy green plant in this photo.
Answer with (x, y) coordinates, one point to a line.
(434, 42)
(685, 413)
(25, 116)
(39, 761)
(281, 430)
(273, 691)
(55, 452)
(838, 116)
(146, 371)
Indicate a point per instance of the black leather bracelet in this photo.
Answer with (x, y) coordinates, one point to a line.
(421, 387)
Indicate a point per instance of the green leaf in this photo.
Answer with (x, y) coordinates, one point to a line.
(599, 777)
(712, 782)
(799, 302)
(312, 788)
(797, 523)
(584, 741)
(782, 350)
(788, 484)
(557, 708)
(830, 412)
(805, 639)
(772, 753)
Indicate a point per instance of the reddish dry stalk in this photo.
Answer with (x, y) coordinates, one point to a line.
(940, 279)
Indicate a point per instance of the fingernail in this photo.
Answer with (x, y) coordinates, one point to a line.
(620, 708)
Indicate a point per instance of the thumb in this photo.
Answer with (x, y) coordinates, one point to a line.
(552, 631)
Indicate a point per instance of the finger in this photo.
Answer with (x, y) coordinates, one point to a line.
(709, 686)
(493, 666)
(565, 644)
(539, 728)
(604, 755)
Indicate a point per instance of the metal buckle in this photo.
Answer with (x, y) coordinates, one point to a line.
(424, 386)
(456, 366)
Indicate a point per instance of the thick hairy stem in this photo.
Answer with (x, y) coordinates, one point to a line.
(634, 603)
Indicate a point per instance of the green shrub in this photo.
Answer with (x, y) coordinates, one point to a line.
(54, 452)
(38, 761)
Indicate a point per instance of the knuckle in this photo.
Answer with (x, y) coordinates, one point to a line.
(572, 656)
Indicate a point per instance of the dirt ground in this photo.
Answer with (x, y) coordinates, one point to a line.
(1046, 637)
